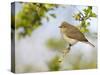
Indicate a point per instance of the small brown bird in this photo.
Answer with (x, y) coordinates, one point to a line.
(72, 34)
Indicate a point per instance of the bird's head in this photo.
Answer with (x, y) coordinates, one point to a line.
(63, 25)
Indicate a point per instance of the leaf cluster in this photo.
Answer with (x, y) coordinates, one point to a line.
(84, 17)
(54, 64)
(29, 18)
(55, 44)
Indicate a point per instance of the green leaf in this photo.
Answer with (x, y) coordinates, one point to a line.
(93, 15)
(90, 7)
(53, 15)
(48, 6)
(84, 30)
(29, 31)
(87, 23)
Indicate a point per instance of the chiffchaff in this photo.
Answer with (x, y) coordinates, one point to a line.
(72, 34)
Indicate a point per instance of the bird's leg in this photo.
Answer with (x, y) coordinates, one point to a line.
(69, 48)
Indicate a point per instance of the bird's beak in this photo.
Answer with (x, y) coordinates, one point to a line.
(59, 26)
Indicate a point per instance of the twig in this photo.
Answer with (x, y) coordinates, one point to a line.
(65, 52)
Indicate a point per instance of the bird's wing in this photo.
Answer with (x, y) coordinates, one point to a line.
(75, 33)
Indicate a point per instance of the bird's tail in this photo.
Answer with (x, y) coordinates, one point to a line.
(90, 44)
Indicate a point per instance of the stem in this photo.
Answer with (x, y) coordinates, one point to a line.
(65, 52)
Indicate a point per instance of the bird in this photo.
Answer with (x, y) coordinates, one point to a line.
(72, 34)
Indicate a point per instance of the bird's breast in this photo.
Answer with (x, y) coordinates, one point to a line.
(69, 40)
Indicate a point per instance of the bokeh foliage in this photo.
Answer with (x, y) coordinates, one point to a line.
(29, 18)
(54, 65)
(84, 17)
(55, 44)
